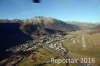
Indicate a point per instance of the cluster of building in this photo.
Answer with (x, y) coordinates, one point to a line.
(51, 41)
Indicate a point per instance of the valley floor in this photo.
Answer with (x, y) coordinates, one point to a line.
(84, 45)
(78, 45)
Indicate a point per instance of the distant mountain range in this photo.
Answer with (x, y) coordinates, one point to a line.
(82, 25)
(95, 29)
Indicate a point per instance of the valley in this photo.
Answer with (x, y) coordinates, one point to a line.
(49, 32)
(34, 42)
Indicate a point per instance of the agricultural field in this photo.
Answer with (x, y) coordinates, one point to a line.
(41, 57)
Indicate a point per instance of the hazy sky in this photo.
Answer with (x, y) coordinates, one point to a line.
(66, 10)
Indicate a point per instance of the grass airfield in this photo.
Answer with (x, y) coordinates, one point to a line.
(92, 49)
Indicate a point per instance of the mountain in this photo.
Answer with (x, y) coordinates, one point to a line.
(96, 29)
(11, 35)
(16, 32)
(20, 30)
(36, 29)
(82, 25)
(51, 23)
(29, 26)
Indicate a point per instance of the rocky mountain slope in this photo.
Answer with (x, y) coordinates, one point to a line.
(52, 23)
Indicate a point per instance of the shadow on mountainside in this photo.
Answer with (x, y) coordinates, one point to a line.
(11, 35)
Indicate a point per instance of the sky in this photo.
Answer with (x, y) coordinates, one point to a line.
(66, 10)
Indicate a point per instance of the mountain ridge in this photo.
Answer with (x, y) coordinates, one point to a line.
(82, 25)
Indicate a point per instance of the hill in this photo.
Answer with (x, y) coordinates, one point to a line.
(82, 25)
(96, 29)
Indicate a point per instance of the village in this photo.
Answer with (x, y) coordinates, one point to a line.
(53, 42)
